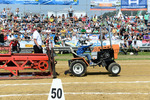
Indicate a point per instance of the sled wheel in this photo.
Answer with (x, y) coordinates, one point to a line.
(114, 69)
(78, 68)
(43, 65)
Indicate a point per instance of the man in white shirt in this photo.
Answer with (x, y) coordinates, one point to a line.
(75, 30)
(70, 11)
(135, 48)
(74, 37)
(89, 31)
(38, 40)
(22, 30)
(10, 37)
(48, 30)
(115, 37)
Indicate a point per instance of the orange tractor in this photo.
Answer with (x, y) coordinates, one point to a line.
(102, 56)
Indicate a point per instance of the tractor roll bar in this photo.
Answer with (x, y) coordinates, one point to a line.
(101, 35)
(110, 37)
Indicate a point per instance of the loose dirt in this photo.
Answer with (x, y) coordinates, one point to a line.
(133, 83)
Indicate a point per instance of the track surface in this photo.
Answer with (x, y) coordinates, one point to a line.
(132, 84)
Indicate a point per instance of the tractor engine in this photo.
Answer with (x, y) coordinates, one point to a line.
(103, 56)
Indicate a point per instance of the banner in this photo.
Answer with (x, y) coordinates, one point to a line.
(148, 2)
(94, 38)
(26, 44)
(41, 2)
(145, 43)
(29, 44)
(104, 4)
(133, 5)
(107, 42)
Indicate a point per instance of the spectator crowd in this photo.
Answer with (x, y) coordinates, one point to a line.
(123, 27)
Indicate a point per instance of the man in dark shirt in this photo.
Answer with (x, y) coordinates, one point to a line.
(57, 40)
(1, 39)
(122, 30)
(126, 36)
(124, 47)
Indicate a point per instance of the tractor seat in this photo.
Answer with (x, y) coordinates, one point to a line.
(74, 54)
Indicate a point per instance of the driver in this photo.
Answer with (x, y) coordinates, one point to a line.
(82, 49)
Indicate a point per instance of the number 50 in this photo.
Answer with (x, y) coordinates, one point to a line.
(56, 93)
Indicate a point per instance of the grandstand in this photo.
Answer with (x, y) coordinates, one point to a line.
(124, 27)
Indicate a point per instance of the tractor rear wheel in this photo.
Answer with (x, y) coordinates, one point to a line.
(114, 68)
(108, 63)
(78, 68)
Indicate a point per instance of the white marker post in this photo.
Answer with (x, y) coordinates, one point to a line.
(56, 91)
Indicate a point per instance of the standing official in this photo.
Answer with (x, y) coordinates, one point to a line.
(38, 40)
(70, 11)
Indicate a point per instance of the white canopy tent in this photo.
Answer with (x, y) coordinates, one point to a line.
(120, 14)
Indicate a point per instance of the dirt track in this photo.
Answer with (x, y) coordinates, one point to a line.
(132, 84)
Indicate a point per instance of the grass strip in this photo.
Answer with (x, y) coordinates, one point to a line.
(140, 56)
(116, 59)
(139, 53)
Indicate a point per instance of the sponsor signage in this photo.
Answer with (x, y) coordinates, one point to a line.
(133, 5)
(104, 4)
(41, 2)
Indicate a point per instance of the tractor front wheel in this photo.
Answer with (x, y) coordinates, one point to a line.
(78, 68)
(114, 69)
